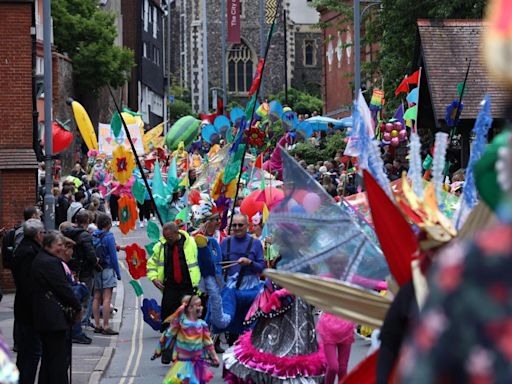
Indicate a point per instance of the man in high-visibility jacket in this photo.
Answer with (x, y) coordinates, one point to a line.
(173, 267)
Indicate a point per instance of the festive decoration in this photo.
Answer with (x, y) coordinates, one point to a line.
(255, 136)
(257, 200)
(453, 112)
(153, 231)
(139, 192)
(377, 100)
(257, 77)
(151, 312)
(497, 39)
(438, 164)
(136, 260)
(409, 80)
(415, 165)
(221, 189)
(122, 164)
(127, 214)
(232, 168)
(84, 124)
(184, 130)
(136, 287)
(61, 137)
(116, 123)
(394, 133)
(153, 138)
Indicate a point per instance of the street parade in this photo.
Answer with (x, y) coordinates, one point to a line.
(247, 236)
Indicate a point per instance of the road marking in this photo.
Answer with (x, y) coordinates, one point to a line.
(141, 347)
(134, 333)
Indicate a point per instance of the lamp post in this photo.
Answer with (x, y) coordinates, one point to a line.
(49, 200)
(358, 15)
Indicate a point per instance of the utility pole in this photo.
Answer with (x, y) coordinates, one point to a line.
(357, 46)
(167, 104)
(49, 200)
(223, 11)
(262, 38)
(285, 22)
(206, 104)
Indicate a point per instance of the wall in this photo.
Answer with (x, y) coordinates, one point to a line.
(308, 78)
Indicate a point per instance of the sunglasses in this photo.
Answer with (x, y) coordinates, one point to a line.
(238, 225)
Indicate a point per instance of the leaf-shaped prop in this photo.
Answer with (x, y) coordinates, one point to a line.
(153, 231)
(149, 247)
(139, 192)
(151, 312)
(136, 287)
(185, 129)
(233, 166)
(136, 260)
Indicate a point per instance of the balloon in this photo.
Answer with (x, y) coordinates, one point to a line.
(389, 127)
(311, 202)
(185, 129)
(394, 133)
(398, 125)
(387, 136)
(402, 134)
(395, 141)
(236, 114)
(299, 196)
(61, 137)
(297, 209)
(291, 203)
(253, 203)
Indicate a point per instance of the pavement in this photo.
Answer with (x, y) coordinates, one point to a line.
(125, 359)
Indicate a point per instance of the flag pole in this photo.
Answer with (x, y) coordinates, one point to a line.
(418, 102)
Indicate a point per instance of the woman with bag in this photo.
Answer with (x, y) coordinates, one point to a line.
(55, 309)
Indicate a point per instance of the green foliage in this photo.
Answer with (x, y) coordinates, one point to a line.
(179, 109)
(234, 104)
(300, 102)
(180, 93)
(312, 154)
(86, 33)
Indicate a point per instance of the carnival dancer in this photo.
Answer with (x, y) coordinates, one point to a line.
(192, 344)
(282, 347)
(243, 274)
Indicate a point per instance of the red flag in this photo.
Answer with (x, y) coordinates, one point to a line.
(365, 372)
(396, 238)
(259, 162)
(409, 80)
(257, 78)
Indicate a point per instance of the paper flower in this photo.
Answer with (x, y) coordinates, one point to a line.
(136, 260)
(123, 164)
(127, 213)
(219, 188)
(255, 136)
(151, 312)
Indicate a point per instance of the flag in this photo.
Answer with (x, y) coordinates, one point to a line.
(182, 215)
(172, 176)
(262, 185)
(266, 213)
(259, 162)
(411, 113)
(399, 114)
(409, 80)
(412, 97)
(257, 78)
(377, 100)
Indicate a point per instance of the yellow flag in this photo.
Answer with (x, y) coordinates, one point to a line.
(184, 182)
(266, 213)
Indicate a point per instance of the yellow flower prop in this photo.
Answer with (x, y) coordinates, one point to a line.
(219, 188)
(123, 164)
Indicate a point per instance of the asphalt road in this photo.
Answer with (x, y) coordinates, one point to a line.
(130, 363)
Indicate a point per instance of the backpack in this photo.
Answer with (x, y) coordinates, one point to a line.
(8, 247)
(101, 251)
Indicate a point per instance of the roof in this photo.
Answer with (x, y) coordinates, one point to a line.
(447, 46)
(17, 158)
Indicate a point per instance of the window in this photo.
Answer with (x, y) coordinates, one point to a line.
(309, 53)
(155, 22)
(242, 9)
(145, 13)
(240, 68)
(156, 55)
(145, 52)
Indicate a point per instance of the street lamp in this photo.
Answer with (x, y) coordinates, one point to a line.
(358, 15)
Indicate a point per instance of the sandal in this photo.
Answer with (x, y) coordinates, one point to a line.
(98, 330)
(110, 332)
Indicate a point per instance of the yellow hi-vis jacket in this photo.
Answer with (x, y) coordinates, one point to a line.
(155, 264)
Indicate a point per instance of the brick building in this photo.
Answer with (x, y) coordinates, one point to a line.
(303, 56)
(18, 165)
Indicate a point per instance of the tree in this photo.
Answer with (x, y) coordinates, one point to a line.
(394, 27)
(300, 102)
(86, 33)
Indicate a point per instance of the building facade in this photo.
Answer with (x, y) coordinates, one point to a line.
(145, 36)
(303, 54)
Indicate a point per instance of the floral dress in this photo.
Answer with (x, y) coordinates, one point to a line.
(465, 330)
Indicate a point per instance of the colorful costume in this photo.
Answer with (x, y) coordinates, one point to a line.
(192, 344)
(281, 348)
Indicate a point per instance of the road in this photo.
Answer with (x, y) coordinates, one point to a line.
(131, 362)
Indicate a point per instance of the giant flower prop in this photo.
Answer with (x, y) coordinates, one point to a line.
(151, 312)
(136, 260)
(127, 213)
(221, 189)
(123, 164)
(255, 136)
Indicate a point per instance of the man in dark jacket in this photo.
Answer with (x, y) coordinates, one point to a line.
(62, 205)
(84, 259)
(27, 339)
(52, 301)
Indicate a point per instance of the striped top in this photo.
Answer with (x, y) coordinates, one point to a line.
(193, 340)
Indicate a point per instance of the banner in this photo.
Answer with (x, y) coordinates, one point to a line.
(233, 21)
(108, 142)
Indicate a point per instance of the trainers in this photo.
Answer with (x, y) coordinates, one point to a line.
(110, 332)
(81, 339)
(98, 330)
(141, 225)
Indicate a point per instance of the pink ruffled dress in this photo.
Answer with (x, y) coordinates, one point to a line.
(335, 330)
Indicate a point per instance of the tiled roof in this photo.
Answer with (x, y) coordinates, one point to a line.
(18, 158)
(447, 47)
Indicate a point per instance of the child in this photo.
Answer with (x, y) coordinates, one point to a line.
(192, 345)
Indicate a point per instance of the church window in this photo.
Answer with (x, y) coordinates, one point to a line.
(240, 68)
(309, 53)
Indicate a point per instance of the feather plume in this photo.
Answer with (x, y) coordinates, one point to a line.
(439, 163)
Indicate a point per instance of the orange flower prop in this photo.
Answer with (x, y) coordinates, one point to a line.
(136, 260)
(127, 213)
(123, 164)
(219, 188)
(255, 136)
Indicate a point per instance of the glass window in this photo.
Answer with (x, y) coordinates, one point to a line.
(309, 53)
(240, 68)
